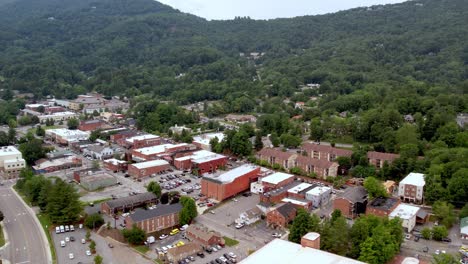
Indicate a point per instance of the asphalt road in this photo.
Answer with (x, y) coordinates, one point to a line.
(26, 241)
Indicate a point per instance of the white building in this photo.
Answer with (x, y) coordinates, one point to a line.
(65, 136)
(411, 188)
(99, 152)
(277, 178)
(407, 213)
(57, 117)
(11, 161)
(203, 141)
(319, 195)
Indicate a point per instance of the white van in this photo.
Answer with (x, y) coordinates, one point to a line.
(57, 230)
(184, 227)
(62, 229)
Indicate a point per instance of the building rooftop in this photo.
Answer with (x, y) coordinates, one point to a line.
(277, 177)
(141, 137)
(206, 138)
(201, 232)
(154, 149)
(282, 251)
(318, 190)
(355, 194)
(299, 188)
(96, 177)
(57, 162)
(464, 225)
(149, 164)
(311, 236)
(129, 200)
(383, 203)
(115, 161)
(233, 174)
(404, 211)
(64, 132)
(285, 209)
(295, 201)
(142, 214)
(413, 178)
(9, 150)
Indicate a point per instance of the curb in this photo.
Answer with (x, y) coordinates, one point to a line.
(41, 230)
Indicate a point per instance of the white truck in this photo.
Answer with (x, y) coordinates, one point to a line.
(150, 240)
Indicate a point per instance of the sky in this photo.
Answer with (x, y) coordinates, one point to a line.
(267, 9)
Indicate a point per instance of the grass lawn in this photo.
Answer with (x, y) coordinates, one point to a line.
(142, 249)
(230, 242)
(2, 238)
(46, 224)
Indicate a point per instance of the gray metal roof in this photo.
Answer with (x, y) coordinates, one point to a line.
(129, 200)
(160, 210)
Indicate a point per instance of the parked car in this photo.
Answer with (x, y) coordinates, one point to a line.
(72, 239)
(110, 245)
(83, 241)
(277, 235)
(446, 239)
(67, 239)
(163, 236)
(88, 252)
(62, 243)
(200, 254)
(240, 225)
(71, 256)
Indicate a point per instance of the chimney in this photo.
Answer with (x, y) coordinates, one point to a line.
(311, 240)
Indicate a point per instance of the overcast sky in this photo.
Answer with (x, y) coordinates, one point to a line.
(265, 9)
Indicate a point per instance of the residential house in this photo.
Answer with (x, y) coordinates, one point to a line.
(241, 118)
(281, 215)
(250, 216)
(203, 236)
(99, 152)
(411, 188)
(378, 159)
(352, 202)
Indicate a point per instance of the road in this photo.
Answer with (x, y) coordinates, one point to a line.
(26, 239)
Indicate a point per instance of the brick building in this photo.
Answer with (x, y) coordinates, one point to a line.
(298, 203)
(407, 213)
(382, 206)
(276, 180)
(201, 162)
(281, 215)
(51, 165)
(176, 254)
(378, 159)
(124, 204)
(145, 169)
(202, 236)
(322, 168)
(90, 125)
(411, 188)
(119, 136)
(229, 184)
(319, 195)
(352, 202)
(276, 156)
(322, 152)
(115, 165)
(154, 152)
(140, 141)
(162, 217)
(299, 191)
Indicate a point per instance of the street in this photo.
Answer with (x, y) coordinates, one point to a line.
(27, 242)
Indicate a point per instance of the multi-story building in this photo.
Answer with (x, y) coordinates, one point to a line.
(352, 202)
(66, 136)
(411, 188)
(145, 169)
(229, 184)
(407, 213)
(11, 161)
(275, 156)
(320, 195)
(323, 152)
(162, 217)
(99, 152)
(202, 236)
(381, 206)
(276, 180)
(201, 162)
(378, 159)
(322, 168)
(142, 141)
(203, 141)
(90, 125)
(115, 165)
(154, 152)
(281, 215)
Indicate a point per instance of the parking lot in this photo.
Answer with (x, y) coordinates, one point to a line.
(74, 247)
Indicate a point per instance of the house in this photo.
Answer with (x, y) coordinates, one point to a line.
(11, 162)
(281, 215)
(407, 213)
(275, 156)
(422, 217)
(299, 105)
(319, 195)
(352, 202)
(229, 184)
(464, 228)
(411, 188)
(250, 216)
(322, 152)
(382, 206)
(378, 159)
(176, 254)
(98, 152)
(147, 168)
(152, 220)
(409, 118)
(112, 207)
(115, 165)
(322, 168)
(179, 129)
(203, 236)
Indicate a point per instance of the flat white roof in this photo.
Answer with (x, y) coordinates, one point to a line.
(55, 162)
(294, 201)
(233, 174)
(158, 149)
(64, 132)
(318, 190)
(115, 161)
(414, 178)
(311, 236)
(277, 177)
(404, 211)
(299, 188)
(9, 150)
(142, 137)
(281, 251)
(199, 155)
(149, 164)
(205, 138)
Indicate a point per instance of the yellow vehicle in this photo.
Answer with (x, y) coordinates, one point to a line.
(174, 231)
(180, 243)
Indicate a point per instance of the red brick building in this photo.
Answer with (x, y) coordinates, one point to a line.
(276, 156)
(276, 180)
(115, 165)
(203, 236)
(352, 202)
(145, 169)
(322, 168)
(125, 204)
(131, 140)
(162, 217)
(201, 162)
(322, 152)
(281, 216)
(154, 152)
(90, 125)
(120, 136)
(382, 206)
(229, 184)
(378, 159)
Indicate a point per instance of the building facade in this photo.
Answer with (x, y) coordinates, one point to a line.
(162, 217)
(352, 202)
(411, 188)
(11, 162)
(145, 169)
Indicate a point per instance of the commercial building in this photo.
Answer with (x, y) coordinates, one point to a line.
(11, 161)
(382, 206)
(378, 159)
(154, 152)
(201, 162)
(298, 203)
(281, 215)
(407, 213)
(57, 117)
(112, 207)
(203, 236)
(319, 195)
(282, 251)
(84, 101)
(276, 180)
(176, 254)
(145, 169)
(299, 191)
(65, 136)
(323, 152)
(98, 152)
(115, 165)
(152, 220)
(95, 180)
(90, 125)
(352, 202)
(142, 141)
(229, 184)
(203, 141)
(411, 188)
(51, 165)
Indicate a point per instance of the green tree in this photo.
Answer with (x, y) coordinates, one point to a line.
(134, 236)
(92, 246)
(63, 205)
(155, 188)
(189, 210)
(302, 224)
(379, 248)
(375, 188)
(464, 211)
(336, 235)
(426, 233)
(98, 259)
(88, 235)
(40, 131)
(94, 221)
(439, 232)
(73, 123)
(258, 144)
(275, 141)
(444, 213)
(444, 259)
(32, 150)
(290, 141)
(316, 130)
(11, 135)
(458, 186)
(241, 145)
